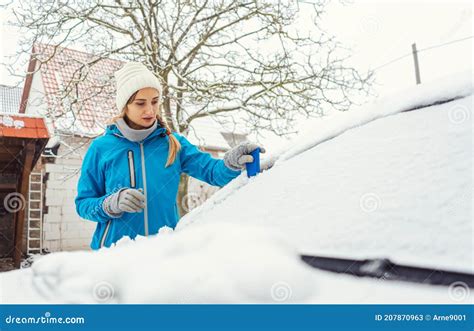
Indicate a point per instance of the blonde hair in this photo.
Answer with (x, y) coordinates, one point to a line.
(173, 144)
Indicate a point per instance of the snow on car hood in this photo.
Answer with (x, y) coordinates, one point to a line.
(218, 263)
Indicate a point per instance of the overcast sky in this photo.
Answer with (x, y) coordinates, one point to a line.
(381, 31)
(377, 32)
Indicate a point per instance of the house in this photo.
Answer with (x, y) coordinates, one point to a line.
(22, 140)
(93, 105)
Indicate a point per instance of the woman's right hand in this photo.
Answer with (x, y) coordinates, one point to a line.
(128, 200)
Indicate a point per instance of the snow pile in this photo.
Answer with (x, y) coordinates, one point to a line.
(216, 263)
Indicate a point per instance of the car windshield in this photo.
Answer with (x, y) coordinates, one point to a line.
(398, 187)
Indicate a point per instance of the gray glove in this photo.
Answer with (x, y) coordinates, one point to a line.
(236, 158)
(126, 200)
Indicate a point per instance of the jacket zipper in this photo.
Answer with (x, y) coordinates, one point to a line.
(104, 236)
(145, 218)
(131, 168)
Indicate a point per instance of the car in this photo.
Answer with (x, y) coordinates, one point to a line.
(384, 191)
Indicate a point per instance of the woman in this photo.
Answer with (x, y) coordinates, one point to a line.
(130, 175)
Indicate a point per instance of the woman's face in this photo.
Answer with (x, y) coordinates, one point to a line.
(142, 111)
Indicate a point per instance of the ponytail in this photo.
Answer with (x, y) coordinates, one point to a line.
(174, 145)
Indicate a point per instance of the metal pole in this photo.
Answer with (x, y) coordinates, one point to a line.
(417, 66)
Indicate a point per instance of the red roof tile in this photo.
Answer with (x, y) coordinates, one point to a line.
(22, 127)
(29, 122)
(9, 132)
(42, 133)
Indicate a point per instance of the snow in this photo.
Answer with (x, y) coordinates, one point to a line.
(211, 263)
(375, 191)
(317, 131)
(375, 182)
(8, 121)
(397, 187)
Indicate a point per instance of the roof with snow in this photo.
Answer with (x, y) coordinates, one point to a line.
(10, 98)
(17, 126)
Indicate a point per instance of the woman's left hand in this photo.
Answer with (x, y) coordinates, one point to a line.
(236, 158)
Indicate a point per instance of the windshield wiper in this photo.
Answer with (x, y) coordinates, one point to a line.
(386, 269)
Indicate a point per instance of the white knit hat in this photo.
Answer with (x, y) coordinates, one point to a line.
(132, 77)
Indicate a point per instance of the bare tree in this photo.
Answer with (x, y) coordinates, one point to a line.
(214, 57)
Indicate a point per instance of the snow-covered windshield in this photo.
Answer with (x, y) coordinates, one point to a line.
(397, 187)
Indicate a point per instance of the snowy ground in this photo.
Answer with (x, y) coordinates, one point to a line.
(376, 182)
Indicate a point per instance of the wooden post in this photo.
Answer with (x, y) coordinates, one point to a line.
(417, 66)
(29, 152)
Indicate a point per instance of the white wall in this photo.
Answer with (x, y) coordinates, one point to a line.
(63, 229)
(36, 103)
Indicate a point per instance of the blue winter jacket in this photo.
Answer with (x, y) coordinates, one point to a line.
(113, 162)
